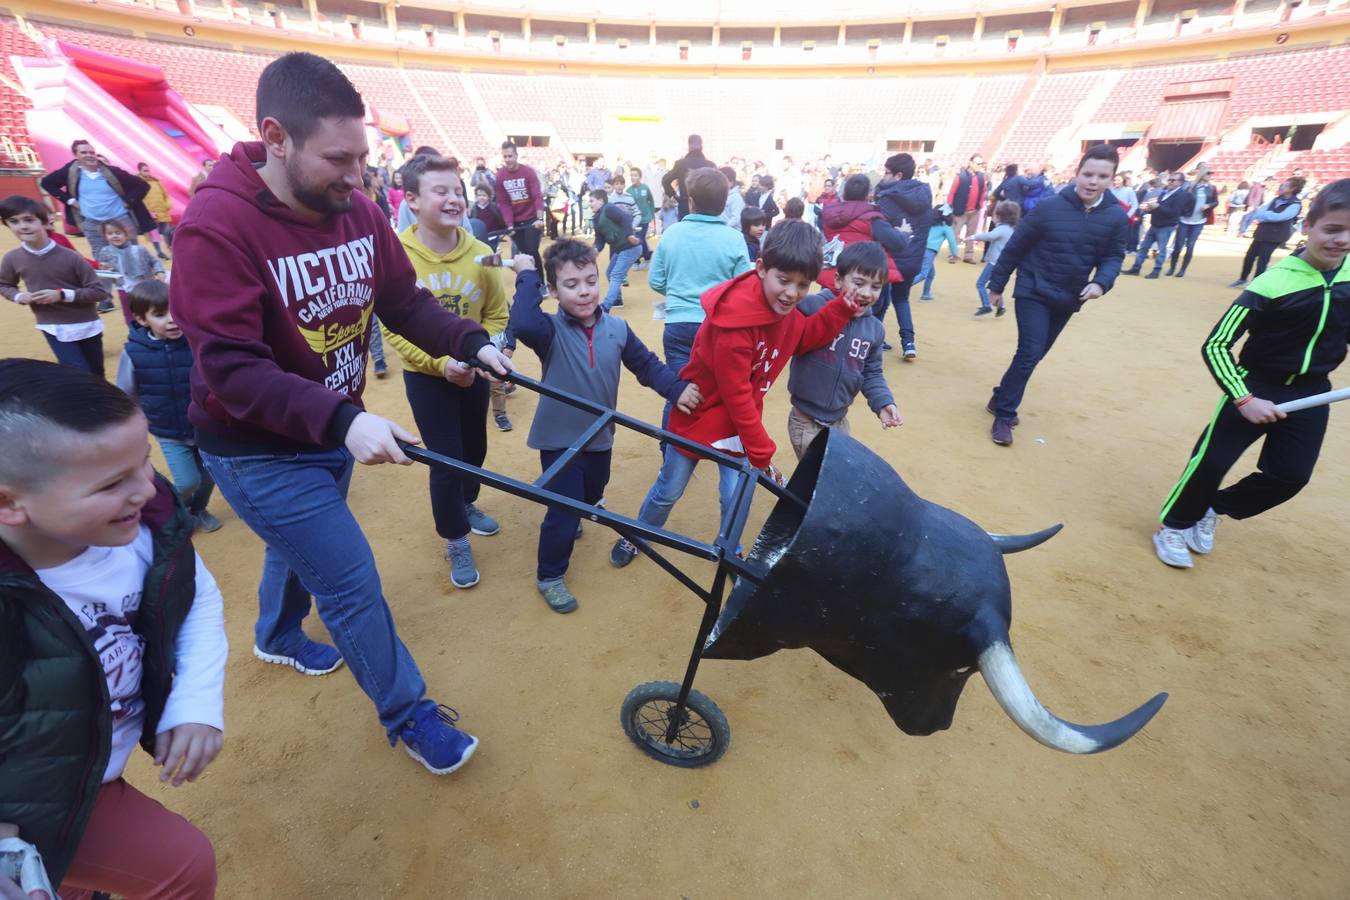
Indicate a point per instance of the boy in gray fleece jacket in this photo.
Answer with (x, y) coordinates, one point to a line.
(823, 383)
(582, 348)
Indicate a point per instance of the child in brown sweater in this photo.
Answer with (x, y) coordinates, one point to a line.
(59, 286)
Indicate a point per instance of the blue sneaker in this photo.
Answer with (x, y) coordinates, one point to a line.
(431, 738)
(480, 522)
(312, 658)
(463, 572)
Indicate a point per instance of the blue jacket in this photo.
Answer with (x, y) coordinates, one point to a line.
(159, 375)
(583, 361)
(1061, 247)
(909, 201)
(694, 255)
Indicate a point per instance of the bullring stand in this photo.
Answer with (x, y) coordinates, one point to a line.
(670, 722)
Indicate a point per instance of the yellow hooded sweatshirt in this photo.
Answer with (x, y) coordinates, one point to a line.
(462, 286)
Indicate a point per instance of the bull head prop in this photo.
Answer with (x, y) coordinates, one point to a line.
(906, 596)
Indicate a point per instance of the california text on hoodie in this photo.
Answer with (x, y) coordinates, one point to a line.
(462, 286)
(738, 353)
(277, 310)
(853, 221)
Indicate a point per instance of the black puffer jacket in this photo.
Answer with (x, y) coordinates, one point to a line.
(909, 201)
(55, 718)
(1061, 247)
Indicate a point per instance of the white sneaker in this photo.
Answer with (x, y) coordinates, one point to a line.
(659, 310)
(1200, 536)
(1170, 545)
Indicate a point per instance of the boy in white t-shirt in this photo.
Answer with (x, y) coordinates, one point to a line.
(111, 634)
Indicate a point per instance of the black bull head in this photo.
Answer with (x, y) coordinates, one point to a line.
(906, 596)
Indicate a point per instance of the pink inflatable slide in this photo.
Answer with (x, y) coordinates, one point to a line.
(125, 107)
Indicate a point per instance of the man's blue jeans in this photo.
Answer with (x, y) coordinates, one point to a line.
(1038, 326)
(676, 470)
(619, 264)
(1162, 236)
(297, 503)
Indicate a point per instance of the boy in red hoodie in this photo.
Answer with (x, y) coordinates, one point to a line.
(752, 329)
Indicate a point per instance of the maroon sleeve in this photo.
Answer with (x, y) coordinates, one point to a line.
(504, 201)
(536, 193)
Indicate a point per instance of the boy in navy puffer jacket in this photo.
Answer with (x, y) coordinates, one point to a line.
(156, 365)
(1066, 252)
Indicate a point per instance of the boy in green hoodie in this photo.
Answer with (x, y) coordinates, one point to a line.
(449, 401)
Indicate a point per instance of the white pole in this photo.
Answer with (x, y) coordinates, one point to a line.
(1314, 400)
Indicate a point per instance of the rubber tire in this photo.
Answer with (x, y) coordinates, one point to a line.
(699, 702)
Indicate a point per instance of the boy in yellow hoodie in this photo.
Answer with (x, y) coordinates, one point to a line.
(449, 401)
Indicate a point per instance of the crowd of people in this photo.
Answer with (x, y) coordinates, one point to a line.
(249, 363)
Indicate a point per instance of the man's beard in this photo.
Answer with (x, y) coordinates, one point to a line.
(315, 197)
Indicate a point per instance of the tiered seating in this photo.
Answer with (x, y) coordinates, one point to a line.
(1232, 166)
(1322, 165)
(992, 98)
(444, 95)
(1050, 109)
(14, 42)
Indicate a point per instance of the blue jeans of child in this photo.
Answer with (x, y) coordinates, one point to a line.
(982, 284)
(584, 479)
(642, 236)
(897, 294)
(192, 482)
(1038, 326)
(619, 264)
(676, 470)
(297, 504)
(1160, 236)
(927, 273)
(86, 354)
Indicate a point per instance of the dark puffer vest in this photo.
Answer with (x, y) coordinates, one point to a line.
(55, 717)
(163, 370)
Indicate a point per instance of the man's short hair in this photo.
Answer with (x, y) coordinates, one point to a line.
(426, 150)
(421, 165)
(864, 257)
(729, 174)
(76, 144)
(38, 401)
(696, 142)
(509, 145)
(856, 187)
(1104, 152)
(301, 89)
(766, 182)
(792, 246)
(563, 251)
(794, 208)
(600, 195)
(708, 189)
(901, 164)
(18, 205)
(149, 295)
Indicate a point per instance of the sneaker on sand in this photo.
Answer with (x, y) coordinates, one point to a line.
(557, 596)
(312, 658)
(989, 408)
(1002, 431)
(207, 522)
(503, 423)
(463, 572)
(480, 522)
(431, 738)
(106, 306)
(1000, 310)
(926, 298)
(1239, 283)
(659, 310)
(577, 537)
(1170, 545)
(984, 310)
(886, 346)
(618, 304)
(1200, 536)
(623, 553)
(909, 350)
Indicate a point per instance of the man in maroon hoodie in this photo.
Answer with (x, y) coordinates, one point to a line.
(521, 199)
(282, 262)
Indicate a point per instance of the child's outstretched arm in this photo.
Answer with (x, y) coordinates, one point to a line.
(822, 327)
(527, 320)
(188, 736)
(878, 393)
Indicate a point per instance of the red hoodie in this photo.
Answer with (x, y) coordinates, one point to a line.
(741, 347)
(277, 311)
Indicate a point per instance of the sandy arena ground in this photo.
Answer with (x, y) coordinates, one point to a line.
(1238, 788)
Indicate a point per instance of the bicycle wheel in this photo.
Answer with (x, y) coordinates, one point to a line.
(701, 735)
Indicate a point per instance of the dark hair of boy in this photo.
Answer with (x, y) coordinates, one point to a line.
(867, 258)
(76, 144)
(36, 399)
(509, 145)
(856, 187)
(635, 172)
(708, 190)
(901, 164)
(1009, 212)
(19, 205)
(1335, 197)
(1295, 185)
(600, 195)
(421, 165)
(299, 90)
(426, 150)
(1104, 152)
(729, 174)
(618, 181)
(792, 246)
(566, 250)
(751, 216)
(478, 189)
(794, 208)
(765, 183)
(149, 295)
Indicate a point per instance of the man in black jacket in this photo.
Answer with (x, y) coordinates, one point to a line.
(1165, 212)
(95, 192)
(1066, 252)
(692, 160)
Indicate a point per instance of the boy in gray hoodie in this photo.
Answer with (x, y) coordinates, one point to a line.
(823, 383)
